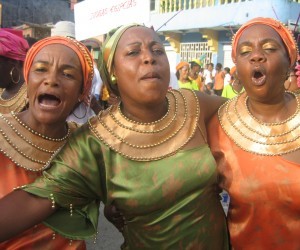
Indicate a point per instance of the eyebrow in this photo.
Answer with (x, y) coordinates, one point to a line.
(64, 65)
(262, 41)
(139, 43)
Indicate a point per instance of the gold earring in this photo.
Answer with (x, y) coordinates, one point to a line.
(12, 77)
(113, 80)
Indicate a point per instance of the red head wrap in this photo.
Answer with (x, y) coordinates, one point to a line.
(82, 52)
(283, 31)
(12, 45)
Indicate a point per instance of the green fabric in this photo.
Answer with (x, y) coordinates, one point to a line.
(229, 93)
(188, 85)
(171, 203)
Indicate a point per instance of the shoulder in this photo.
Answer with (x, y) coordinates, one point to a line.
(209, 104)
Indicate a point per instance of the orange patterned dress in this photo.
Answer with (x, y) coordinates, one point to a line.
(264, 211)
(13, 173)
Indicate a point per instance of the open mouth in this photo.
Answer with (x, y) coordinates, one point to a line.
(258, 77)
(49, 100)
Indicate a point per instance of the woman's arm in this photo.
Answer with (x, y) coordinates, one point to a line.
(20, 211)
(209, 104)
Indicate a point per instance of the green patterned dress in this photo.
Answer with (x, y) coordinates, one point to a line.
(169, 203)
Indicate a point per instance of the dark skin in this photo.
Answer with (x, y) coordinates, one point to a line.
(10, 70)
(143, 74)
(56, 70)
(259, 48)
(208, 104)
(184, 74)
(263, 51)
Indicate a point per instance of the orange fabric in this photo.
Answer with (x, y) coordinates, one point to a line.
(82, 52)
(181, 65)
(38, 237)
(283, 31)
(219, 80)
(264, 195)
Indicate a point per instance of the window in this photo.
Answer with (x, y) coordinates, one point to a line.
(152, 5)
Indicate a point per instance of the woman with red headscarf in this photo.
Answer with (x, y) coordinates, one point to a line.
(256, 140)
(58, 72)
(13, 49)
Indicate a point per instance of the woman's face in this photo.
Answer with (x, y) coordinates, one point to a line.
(184, 72)
(141, 67)
(54, 83)
(262, 62)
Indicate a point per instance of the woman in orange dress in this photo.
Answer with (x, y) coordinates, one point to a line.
(58, 73)
(255, 140)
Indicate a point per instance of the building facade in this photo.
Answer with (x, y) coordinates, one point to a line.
(204, 28)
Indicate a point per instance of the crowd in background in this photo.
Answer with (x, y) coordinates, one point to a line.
(218, 80)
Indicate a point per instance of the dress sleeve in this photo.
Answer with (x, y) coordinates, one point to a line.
(75, 182)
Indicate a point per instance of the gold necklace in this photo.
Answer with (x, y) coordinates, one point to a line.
(150, 141)
(167, 124)
(246, 131)
(28, 150)
(37, 133)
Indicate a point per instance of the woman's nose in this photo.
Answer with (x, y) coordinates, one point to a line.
(258, 56)
(149, 57)
(52, 79)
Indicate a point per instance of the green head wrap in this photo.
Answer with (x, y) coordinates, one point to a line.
(108, 53)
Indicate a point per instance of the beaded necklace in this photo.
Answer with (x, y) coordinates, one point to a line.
(25, 147)
(150, 141)
(255, 136)
(15, 103)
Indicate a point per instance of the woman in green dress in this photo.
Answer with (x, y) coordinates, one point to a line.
(148, 155)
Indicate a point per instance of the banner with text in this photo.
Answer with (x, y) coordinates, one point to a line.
(97, 17)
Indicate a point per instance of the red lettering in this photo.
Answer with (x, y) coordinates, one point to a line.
(98, 13)
(124, 5)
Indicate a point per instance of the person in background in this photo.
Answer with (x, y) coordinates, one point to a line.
(209, 76)
(182, 74)
(147, 154)
(58, 72)
(13, 49)
(195, 73)
(255, 139)
(291, 83)
(219, 80)
(235, 87)
(173, 81)
(227, 77)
